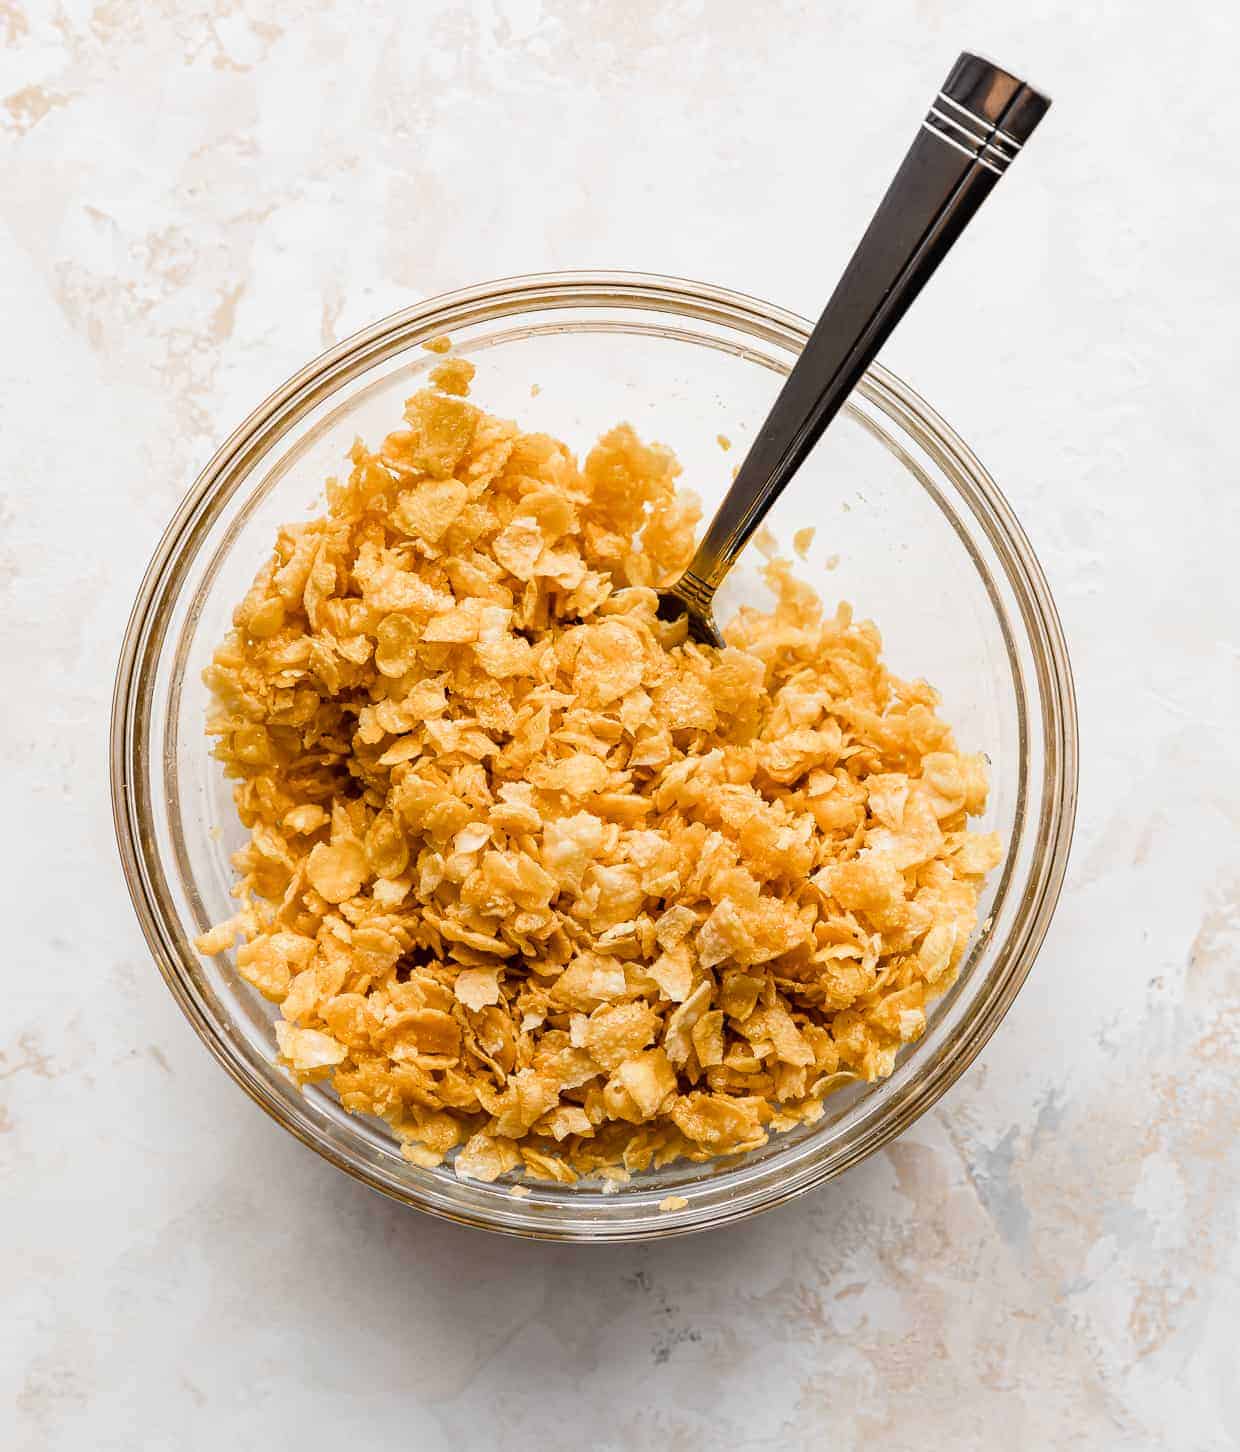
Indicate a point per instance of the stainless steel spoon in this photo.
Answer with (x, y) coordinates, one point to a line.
(974, 130)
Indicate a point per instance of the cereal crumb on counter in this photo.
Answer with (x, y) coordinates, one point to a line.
(723, 441)
(535, 389)
(832, 562)
(546, 886)
(803, 539)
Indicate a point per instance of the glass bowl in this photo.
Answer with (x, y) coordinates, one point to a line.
(909, 527)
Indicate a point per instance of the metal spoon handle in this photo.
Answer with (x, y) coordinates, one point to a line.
(974, 130)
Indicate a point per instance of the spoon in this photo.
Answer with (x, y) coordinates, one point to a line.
(975, 128)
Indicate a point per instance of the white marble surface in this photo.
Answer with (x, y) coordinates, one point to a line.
(197, 196)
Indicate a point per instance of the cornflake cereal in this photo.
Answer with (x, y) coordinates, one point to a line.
(544, 885)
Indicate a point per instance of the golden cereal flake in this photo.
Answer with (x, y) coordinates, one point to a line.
(453, 375)
(549, 888)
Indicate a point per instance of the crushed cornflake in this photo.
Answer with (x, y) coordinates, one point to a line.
(453, 375)
(551, 889)
(673, 1202)
(723, 441)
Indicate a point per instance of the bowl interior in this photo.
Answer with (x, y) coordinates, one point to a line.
(900, 532)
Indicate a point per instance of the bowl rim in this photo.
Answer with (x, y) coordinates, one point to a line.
(334, 367)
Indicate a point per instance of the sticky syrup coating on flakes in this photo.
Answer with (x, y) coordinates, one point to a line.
(532, 877)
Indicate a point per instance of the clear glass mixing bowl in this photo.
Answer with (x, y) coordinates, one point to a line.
(910, 528)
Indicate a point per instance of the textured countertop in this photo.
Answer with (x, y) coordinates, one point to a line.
(198, 195)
